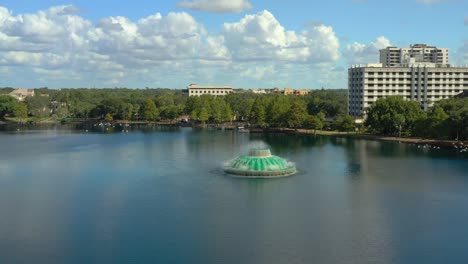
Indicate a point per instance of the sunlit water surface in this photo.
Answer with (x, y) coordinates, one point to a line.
(158, 195)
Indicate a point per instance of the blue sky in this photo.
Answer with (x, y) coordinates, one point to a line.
(296, 43)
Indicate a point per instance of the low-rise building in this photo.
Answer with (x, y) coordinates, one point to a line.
(258, 91)
(301, 92)
(198, 90)
(20, 94)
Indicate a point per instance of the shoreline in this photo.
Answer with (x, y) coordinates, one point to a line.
(407, 140)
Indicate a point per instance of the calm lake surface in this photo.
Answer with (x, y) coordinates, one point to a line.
(158, 195)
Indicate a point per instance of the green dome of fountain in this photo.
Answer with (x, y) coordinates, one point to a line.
(259, 163)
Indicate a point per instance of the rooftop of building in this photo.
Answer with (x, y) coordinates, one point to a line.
(22, 91)
(196, 86)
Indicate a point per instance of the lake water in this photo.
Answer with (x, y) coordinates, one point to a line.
(158, 195)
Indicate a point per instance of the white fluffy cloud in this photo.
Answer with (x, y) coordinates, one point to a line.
(57, 47)
(359, 53)
(262, 37)
(217, 6)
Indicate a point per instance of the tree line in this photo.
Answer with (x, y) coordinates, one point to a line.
(321, 109)
(393, 116)
(166, 104)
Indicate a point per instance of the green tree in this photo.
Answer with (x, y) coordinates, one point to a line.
(7, 105)
(38, 106)
(457, 121)
(331, 102)
(393, 116)
(150, 111)
(297, 114)
(314, 122)
(435, 125)
(203, 115)
(240, 104)
(345, 123)
(216, 109)
(226, 114)
(62, 112)
(258, 112)
(20, 111)
(277, 111)
(128, 111)
(171, 112)
(108, 117)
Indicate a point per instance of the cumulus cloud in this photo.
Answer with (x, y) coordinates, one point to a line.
(217, 6)
(357, 53)
(262, 37)
(56, 47)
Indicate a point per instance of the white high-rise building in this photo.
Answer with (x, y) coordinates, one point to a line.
(417, 53)
(424, 84)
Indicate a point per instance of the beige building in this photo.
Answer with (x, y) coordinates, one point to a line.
(198, 90)
(417, 53)
(425, 83)
(290, 91)
(20, 94)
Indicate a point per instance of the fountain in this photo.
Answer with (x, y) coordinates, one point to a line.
(259, 164)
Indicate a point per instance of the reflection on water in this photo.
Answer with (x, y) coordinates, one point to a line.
(158, 195)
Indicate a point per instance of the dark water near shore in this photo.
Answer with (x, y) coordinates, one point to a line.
(157, 195)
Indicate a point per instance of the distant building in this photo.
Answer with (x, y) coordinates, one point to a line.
(301, 92)
(20, 94)
(273, 91)
(290, 91)
(419, 73)
(417, 53)
(258, 91)
(423, 83)
(285, 91)
(198, 90)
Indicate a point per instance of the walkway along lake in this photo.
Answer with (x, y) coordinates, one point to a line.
(159, 195)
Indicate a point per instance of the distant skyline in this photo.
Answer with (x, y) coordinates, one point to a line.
(244, 44)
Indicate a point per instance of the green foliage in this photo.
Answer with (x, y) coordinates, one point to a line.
(393, 116)
(314, 122)
(172, 111)
(277, 111)
(345, 123)
(7, 105)
(297, 114)
(20, 111)
(258, 112)
(331, 102)
(108, 117)
(150, 112)
(457, 120)
(6, 90)
(208, 108)
(38, 106)
(241, 104)
(62, 112)
(203, 115)
(127, 111)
